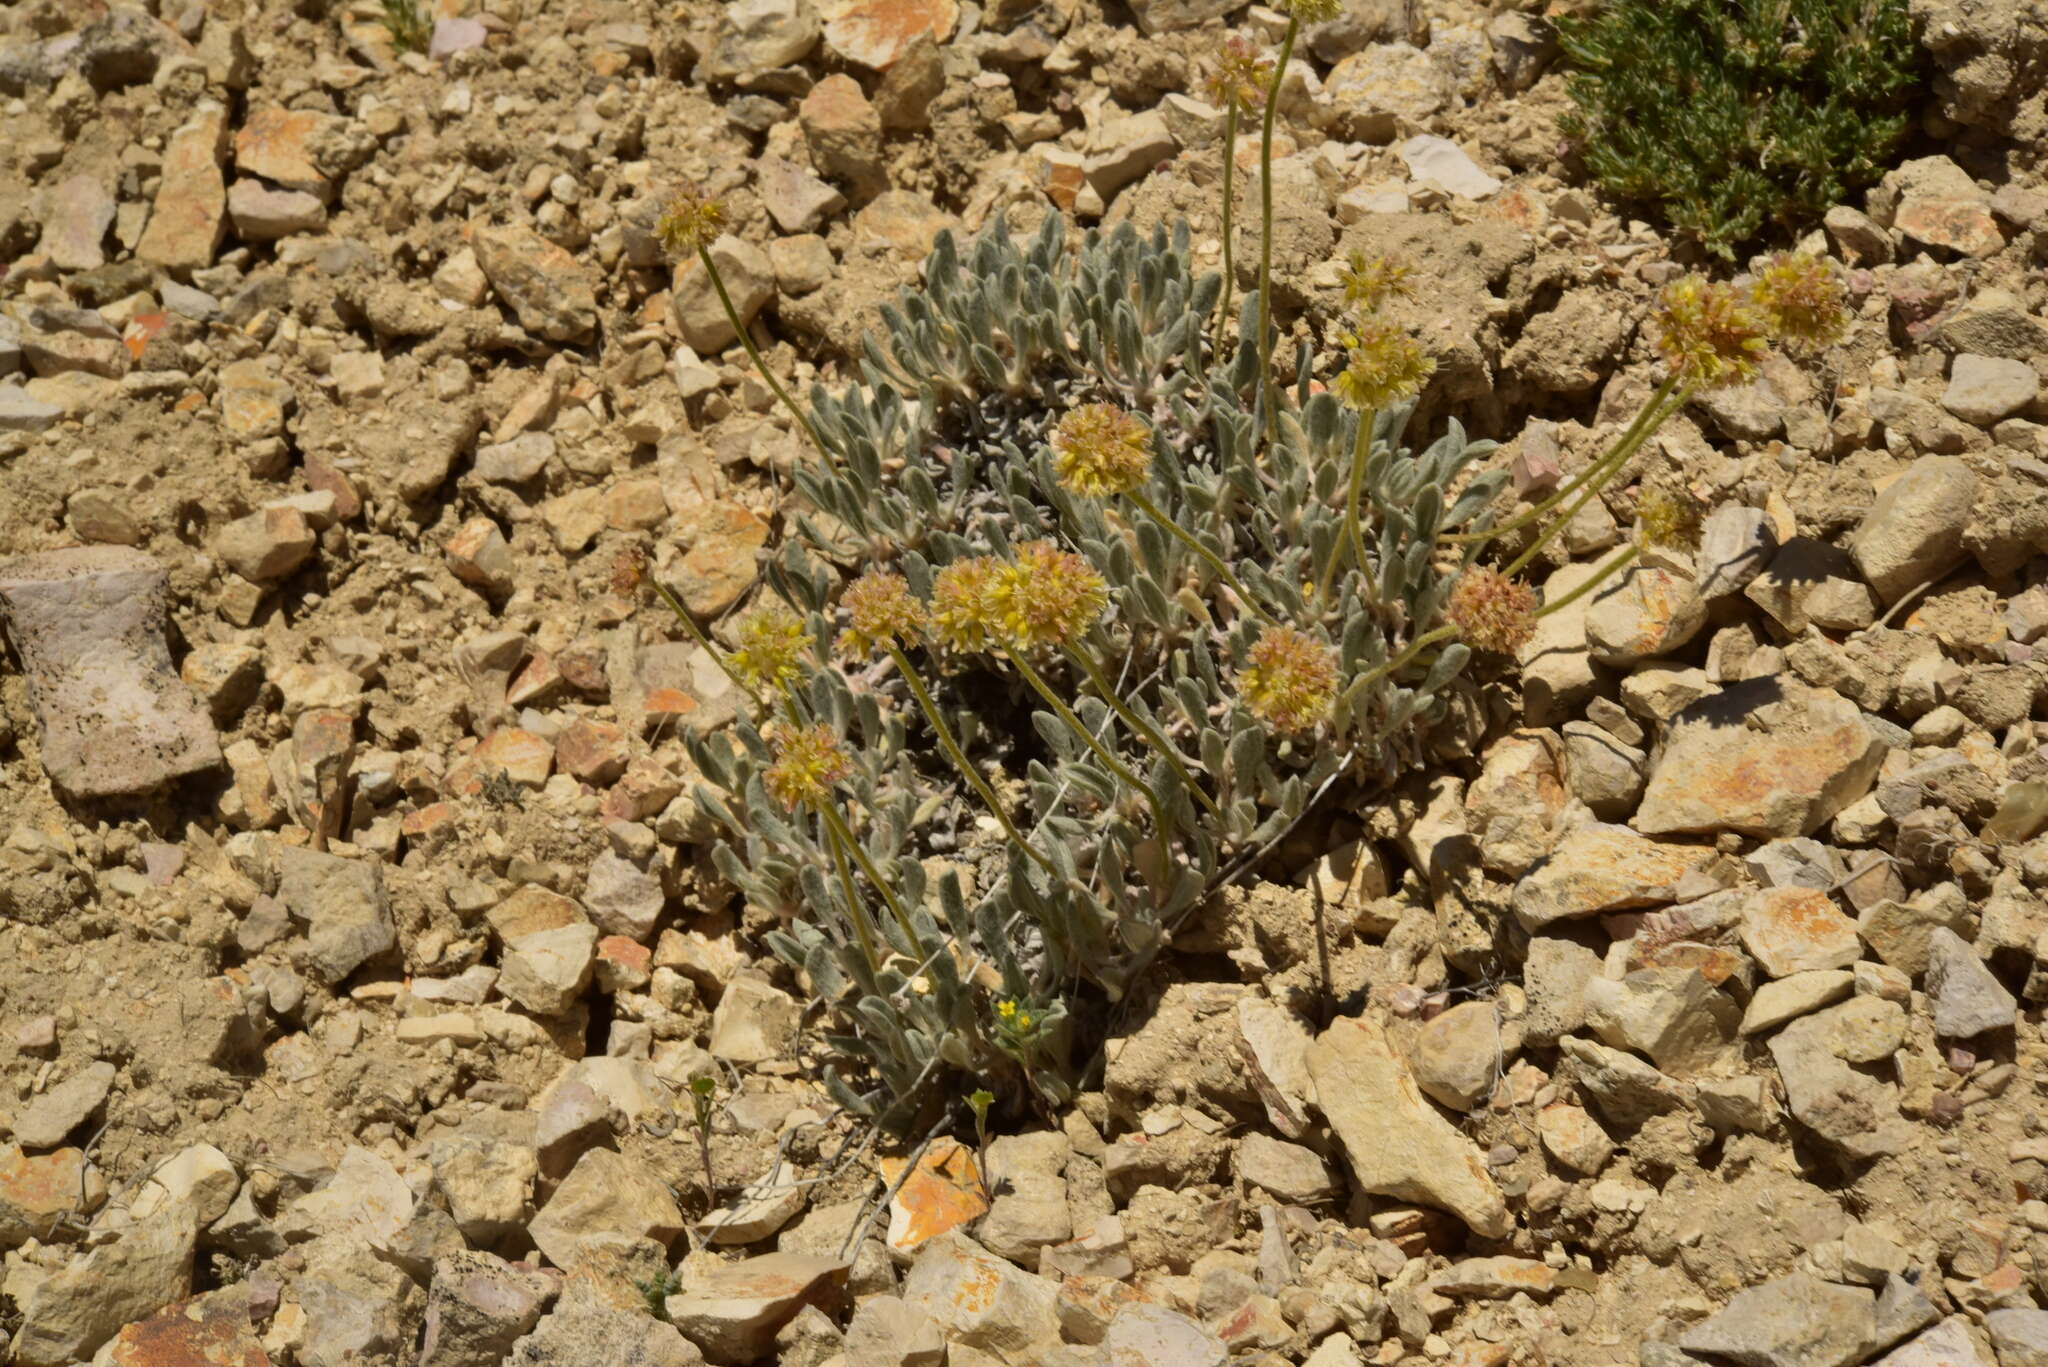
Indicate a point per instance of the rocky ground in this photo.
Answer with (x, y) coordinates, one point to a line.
(358, 939)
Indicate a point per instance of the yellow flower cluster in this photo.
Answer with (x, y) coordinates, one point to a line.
(690, 220)
(1289, 680)
(1712, 334)
(1370, 281)
(771, 645)
(1383, 365)
(881, 611)
(1668, 519)
(1045, 597)
(808, 761)
(1802, 300)
(960, 614)
(1313, 11)
(1100, 450)
(1240, 74)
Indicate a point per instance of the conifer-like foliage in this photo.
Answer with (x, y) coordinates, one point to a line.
(1733, 119)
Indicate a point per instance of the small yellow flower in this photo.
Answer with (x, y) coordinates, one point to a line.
(881, 612)
(808, 761)
(1099, 450)
(1007, 1009)
(1046, 597)
(1492, 611)
(1313, 11)
(1289, 680)
(1369, 281)
(772, 645)
(1801, 298)
(961, 613)
(1383, 365)
(1668, 519)
(1712, 334)
(1240, 74)
(691, 220)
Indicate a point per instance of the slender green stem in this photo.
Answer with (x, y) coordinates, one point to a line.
(951, 746)
(1629, 438)
(1229, 197)
(1141, 727)
(1266, 225)
(732, 316)
(1074, 723)
(1614, 462)
(702, 638)
(857, 910)
(1361, 450)
(1214, 561)
(1408, 652)
(1600, 576)
(867, 867)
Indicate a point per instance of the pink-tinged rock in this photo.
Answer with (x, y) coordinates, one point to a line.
(479, 555)
(548, 289)
(277, 144)
(877, 33)
(1961, 224)
(455, 35)
(189, 220)
(113, 716)
(264, 214)
(1795, 930)
(1600, 868)
(1399, 1145)
(520, 755)
(733, 1312)
(76, 222)
(721, 542)
(593, 751)
(943, 1193)
(1766, 757)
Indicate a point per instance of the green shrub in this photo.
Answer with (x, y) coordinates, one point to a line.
(1736, 118)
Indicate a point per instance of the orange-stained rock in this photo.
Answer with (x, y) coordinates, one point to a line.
(876, 33)
(190, 216)
(1794, 929)
(945, 1192)
(37, 1189)
(276, 144)
(1603, 868)
(720, 542)
(1765, 757)
(520, 755)
(207, 1331)
(593, 751)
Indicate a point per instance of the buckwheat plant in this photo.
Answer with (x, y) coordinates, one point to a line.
(1080, 616)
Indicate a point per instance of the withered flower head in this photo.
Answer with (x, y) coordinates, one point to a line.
(1313, 11)
(1099, 450)
(881, 612)
(808, 761)
(1370, 281)
(1383, 365)
(1801, 298)
(962, 614)
(1046, 597)
(1240, 74)
(1712, 334)
(772, 644)
(1668, 519)
(629, 572)
(1492, 611)
(690, 220)
(1289, 680)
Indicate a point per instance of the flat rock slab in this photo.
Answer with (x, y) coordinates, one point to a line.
(114, 717)
(1398, 1144)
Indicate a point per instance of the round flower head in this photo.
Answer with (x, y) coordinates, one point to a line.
(772, 644)
(1313, 11)
(1712, 334)
(1383, 365)
(690, 220)
(1801, 298)
(881, 611)
(1668, 519)
(1099, 449)
(1370, 281)
(1289, 680)
(961, 613)
(1492, 611)
(808, 761)
(1240, 74)
(1046, 596)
